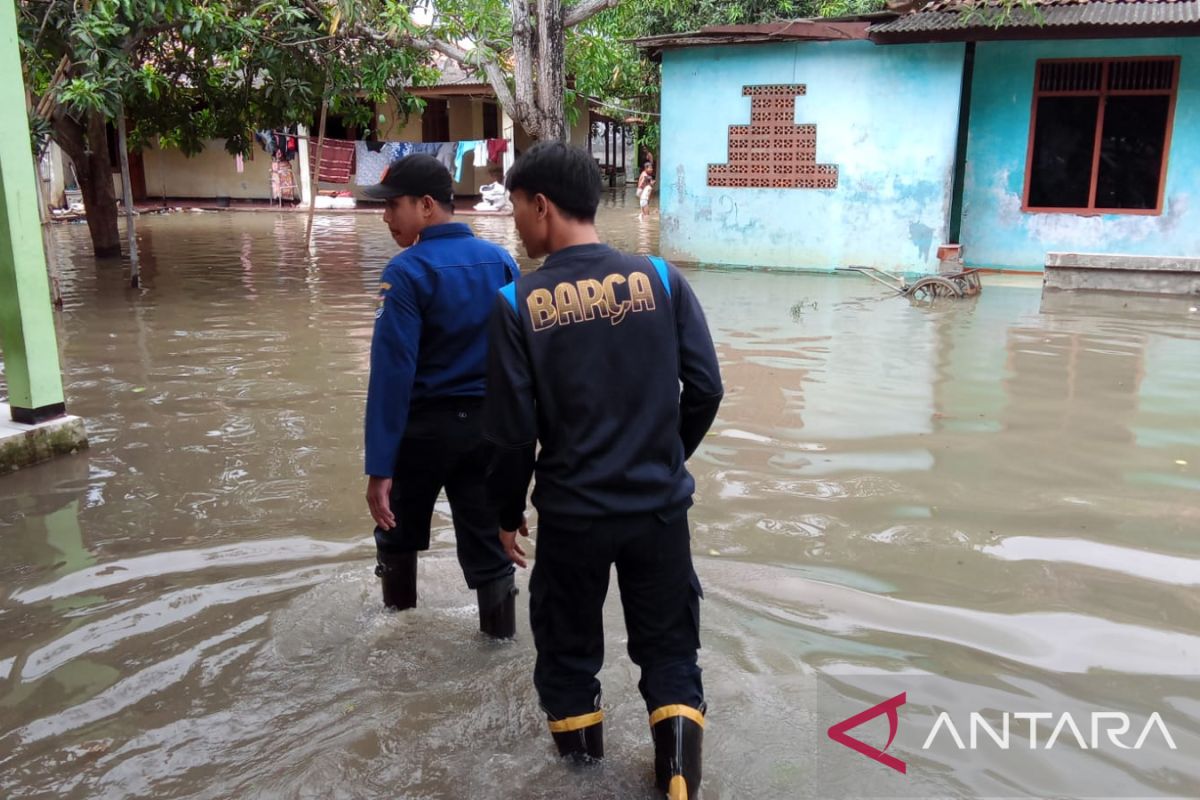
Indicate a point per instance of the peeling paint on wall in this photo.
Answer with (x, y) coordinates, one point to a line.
(997, 233)
(888, 118)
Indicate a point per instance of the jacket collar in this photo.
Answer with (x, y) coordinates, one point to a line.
(446, 231)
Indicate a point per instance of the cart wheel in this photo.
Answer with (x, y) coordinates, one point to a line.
(967, 282)
(933, 287)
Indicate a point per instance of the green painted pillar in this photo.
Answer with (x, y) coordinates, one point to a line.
(27, 336)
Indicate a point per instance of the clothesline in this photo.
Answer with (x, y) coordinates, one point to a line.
(341, 158)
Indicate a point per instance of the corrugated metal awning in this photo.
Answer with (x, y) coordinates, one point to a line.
(1043, 15)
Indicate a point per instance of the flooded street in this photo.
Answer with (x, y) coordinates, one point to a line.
(998, 498)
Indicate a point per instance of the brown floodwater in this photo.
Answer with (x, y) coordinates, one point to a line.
(1000, 494)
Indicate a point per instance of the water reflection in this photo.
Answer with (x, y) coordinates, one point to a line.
(1003, 490)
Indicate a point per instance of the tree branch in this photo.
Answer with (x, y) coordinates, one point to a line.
(586, 9)
(490, 67)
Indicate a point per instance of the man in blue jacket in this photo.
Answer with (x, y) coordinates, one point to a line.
(605, 359)
(428, 364)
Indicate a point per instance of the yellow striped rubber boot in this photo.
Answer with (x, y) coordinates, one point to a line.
(678, 733)
(581, 737)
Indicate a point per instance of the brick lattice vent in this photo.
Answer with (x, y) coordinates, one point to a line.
(773, 152)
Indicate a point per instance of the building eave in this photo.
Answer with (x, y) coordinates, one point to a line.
(1036, 33)
(799, 30)
(945, 21)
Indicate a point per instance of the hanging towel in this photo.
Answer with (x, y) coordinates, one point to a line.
(496, 148)
(371, 164)
(481, 154)
(240, 163)
(461, 150)
(337, 160)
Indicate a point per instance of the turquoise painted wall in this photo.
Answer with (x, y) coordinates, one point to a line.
(996, 233)
(887, 116)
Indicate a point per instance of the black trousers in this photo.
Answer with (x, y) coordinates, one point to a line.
(444, 447)
(660, 594)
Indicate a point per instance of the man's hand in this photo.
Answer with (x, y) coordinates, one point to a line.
(508, 540)
(379, 492)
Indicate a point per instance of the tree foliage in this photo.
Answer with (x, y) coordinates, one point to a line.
(187, 71)
(184, 72)
(609, 67)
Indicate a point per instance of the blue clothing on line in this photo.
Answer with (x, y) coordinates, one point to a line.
(462, 149)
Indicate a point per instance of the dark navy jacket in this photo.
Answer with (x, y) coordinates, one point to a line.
(588, 357)
(430, 337)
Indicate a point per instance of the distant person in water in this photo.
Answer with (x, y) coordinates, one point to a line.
(645, 186)
(428, 363)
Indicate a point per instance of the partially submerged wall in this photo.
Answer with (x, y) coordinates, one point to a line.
(885, 117)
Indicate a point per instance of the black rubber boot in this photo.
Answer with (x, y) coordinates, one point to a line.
(398, 574)
(678, 733)
(580, 738)
(498, 607)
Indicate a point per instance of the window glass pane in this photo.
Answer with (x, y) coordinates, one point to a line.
(1131, 151)
(1061, 175)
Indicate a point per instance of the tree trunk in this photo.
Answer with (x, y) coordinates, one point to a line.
(551, 70)
(88, 150)
(524, 112)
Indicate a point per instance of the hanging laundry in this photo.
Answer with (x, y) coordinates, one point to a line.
(239, 163)
(446, 154)
(283, 182)
(496, 149)
(370, 164)
(399, 149)
(428, 148)
(481, 153)
(459, 151)
(337, 160)
(375, 147)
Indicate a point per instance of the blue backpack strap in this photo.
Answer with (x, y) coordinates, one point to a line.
(660, 266)
(509, 293)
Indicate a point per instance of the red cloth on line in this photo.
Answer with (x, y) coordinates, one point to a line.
(496, 149)
(337, 160)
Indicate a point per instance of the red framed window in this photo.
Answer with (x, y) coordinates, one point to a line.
(1100, 135)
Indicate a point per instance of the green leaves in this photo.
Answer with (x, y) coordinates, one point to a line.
(193, 70)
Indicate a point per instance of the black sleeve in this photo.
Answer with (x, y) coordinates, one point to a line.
(698, 369)
(509, 415)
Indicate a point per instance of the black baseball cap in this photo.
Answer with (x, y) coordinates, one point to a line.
(414, 176)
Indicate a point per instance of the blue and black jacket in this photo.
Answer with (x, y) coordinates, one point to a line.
(605, 359)
(430, 339)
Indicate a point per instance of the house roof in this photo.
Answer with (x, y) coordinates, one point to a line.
(453, 80)
(812, 30)
(988, 19)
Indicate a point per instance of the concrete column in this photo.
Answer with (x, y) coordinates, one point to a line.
(508, 130)
(30, 348)
(302, 164)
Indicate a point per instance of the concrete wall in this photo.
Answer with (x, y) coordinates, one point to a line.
(997, 233)
(396, 128)
(886, 116)
(578, 134)
(210, 173)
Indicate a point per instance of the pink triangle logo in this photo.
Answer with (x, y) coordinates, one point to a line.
(889, 707)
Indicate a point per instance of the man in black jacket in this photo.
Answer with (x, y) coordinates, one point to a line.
(587, 357)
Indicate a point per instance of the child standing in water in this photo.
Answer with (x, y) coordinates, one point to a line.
(644, 186)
